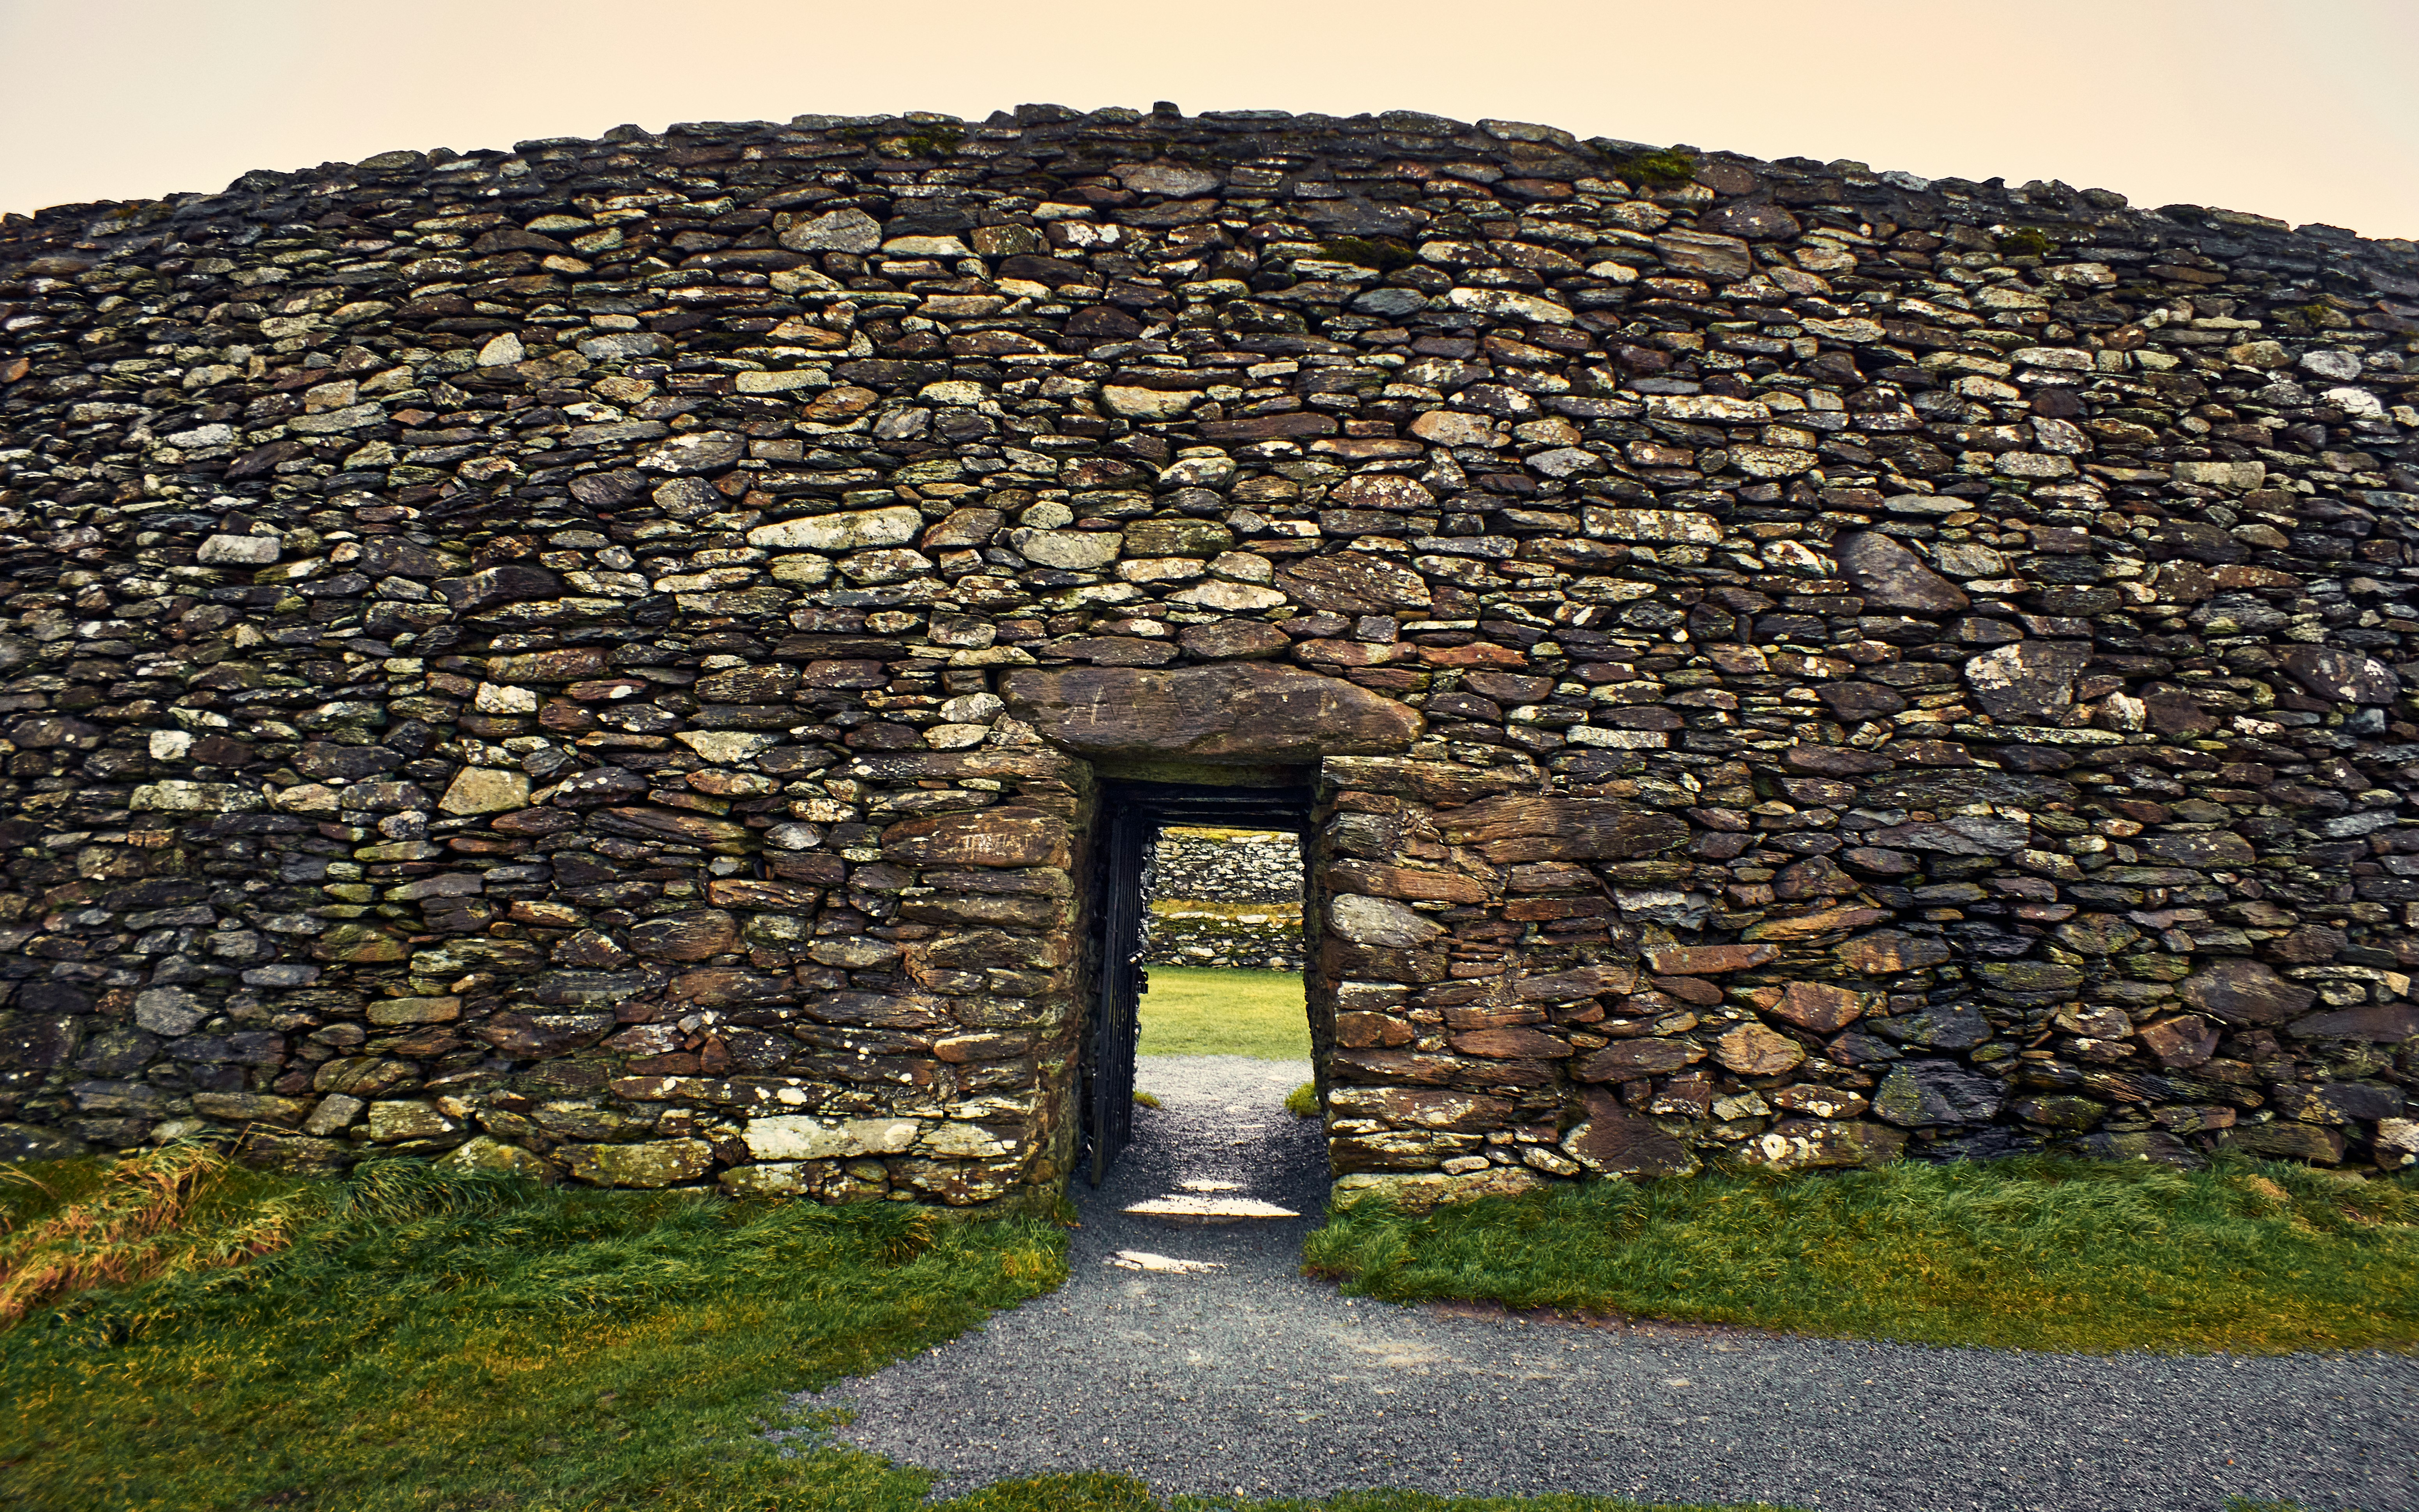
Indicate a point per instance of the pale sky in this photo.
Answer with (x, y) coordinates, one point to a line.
(2304, 110)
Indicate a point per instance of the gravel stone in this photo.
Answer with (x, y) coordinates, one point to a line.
(1252, 1379)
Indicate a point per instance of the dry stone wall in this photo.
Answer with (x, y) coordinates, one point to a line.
(1225, 898)
(595, 655)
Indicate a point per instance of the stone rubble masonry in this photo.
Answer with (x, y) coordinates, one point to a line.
(1225, 898)
(594, 658)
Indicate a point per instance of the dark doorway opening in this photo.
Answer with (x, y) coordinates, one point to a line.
(1129, 817)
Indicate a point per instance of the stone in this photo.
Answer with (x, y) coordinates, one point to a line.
(1804, 1144)
(851, 530)
(2031, 680)
(178, 797)
(1224, 640)
(1752, 1050)
(1918, 1093)
(1707, 254)
(2345, 677)
(2239, 991)
(1818, 1006)
(1240, 709)
(1613, 1141)
(169, 1010)
(238, 550)
(1626, 1059)
(486, 1154)
(1708, 959)
(797, 1138)
(1345, 586)
(478, 790)
(691, 936)
(32, 1142)
(2179, 1043)
(1515, 827)
(1073, 550)
(1379, 921)
(1147, 404)
(2285, 1141)
(657, 1164)
(842, 230)
(2386, 1024)
(394, 1122)
(1892, 577)
(1005, 837)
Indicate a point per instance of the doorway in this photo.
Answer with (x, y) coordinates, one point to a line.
(1131, 819)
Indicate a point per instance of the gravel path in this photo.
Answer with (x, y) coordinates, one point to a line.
(1252, 1379)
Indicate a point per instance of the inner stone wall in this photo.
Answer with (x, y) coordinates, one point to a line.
(1225, 898)
(593, 656)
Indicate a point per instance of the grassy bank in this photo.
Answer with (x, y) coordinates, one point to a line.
(192, 1335)
(415, 1338)
(196, 1337)
(1196, 1011)
(2023, 1254)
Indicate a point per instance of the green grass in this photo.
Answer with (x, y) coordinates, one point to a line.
(2031, 1253)
(1303, 1101)
(463, 1342)
(1197, 1010)
(444, 1342)
(456, 1340)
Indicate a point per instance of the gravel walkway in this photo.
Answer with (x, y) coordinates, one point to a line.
(1252, 1379)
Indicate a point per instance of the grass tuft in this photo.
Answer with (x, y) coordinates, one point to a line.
(1303, 1101)
(168, 1211)
(2031, 1252)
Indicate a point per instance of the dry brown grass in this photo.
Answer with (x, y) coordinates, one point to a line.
(150, 1215)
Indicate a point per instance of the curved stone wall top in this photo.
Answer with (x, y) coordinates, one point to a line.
(581, 646)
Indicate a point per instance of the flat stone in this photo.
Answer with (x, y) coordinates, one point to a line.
(1379, 921)
(1921, 1092)
(1070, 550)
(1233, 640)
(656, 1164)
(477, 789)
(2237, 990)
(849, 531)
(1239, 710)
(1708, 959)
(1752, 1050)
(1818, 1006)
(1615, 1141)
(2386, 1024)
(1892, 577)
(1887, 952)
(2345, 677)
(238, 550)
(1804, 1144)
(842, 230)
(1009, 835)
(1517, 827)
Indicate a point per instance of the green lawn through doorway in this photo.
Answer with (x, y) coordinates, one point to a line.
(1196, 1010)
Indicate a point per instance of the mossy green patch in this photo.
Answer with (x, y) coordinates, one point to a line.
(2032, 1252)
(1666, 169)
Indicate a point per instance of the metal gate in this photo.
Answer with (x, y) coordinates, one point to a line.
(1130, 815)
